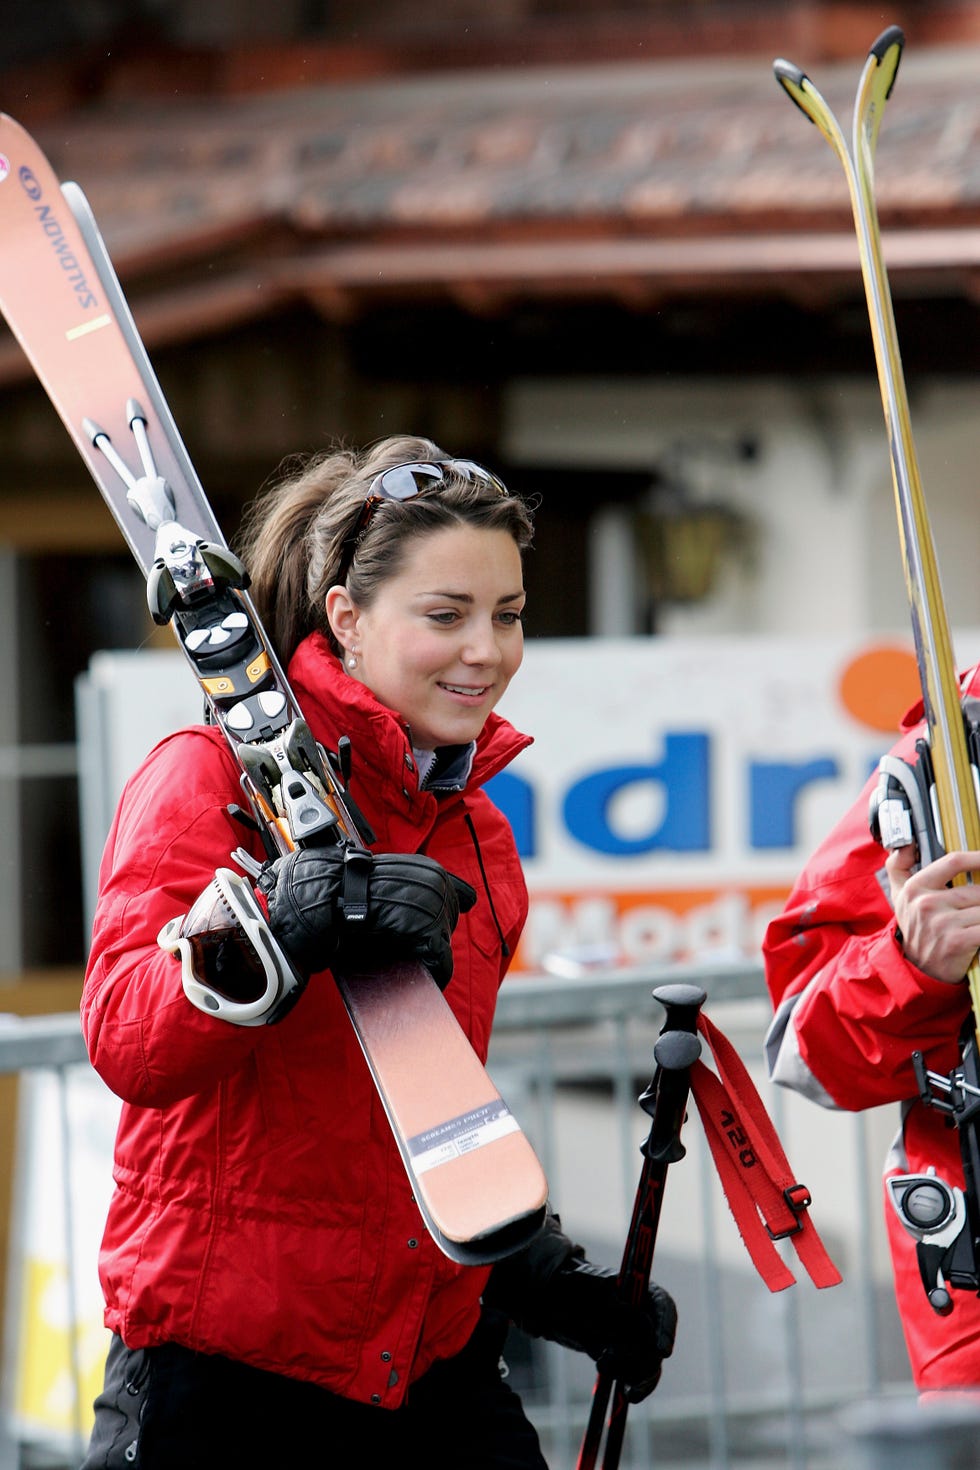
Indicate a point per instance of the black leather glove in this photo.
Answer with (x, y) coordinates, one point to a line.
(360, 910)
(550, 1290)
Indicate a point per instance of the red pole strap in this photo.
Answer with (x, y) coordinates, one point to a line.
(768, 1203)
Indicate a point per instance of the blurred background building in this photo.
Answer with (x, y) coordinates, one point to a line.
(591, 244)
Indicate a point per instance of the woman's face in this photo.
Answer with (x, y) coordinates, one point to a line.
(443, 638)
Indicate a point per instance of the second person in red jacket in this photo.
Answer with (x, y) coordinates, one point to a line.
(866, 965)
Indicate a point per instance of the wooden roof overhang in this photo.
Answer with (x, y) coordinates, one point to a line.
(632, 183)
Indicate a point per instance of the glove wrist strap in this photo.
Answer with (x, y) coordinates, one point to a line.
(358, 863)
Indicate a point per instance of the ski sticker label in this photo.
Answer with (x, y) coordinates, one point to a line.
(461, 1135)
(52, 227)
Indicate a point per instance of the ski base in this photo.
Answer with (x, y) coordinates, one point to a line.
(478, 1182)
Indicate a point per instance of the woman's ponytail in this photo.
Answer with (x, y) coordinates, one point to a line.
(278, 542)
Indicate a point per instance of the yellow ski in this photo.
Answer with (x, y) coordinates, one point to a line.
(949, 1239)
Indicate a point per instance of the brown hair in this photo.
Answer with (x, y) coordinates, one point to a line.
(292, 536)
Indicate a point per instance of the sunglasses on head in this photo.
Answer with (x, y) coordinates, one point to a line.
(404, 482)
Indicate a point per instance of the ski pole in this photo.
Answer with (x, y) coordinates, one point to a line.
(676, 1050)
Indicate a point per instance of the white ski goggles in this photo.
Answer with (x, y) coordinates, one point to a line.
(404, 482)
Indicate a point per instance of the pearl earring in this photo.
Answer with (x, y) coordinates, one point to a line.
(352, 660)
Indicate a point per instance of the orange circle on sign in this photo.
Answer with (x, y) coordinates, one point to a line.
(879, 685)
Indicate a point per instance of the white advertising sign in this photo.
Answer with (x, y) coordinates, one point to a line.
(674, 789)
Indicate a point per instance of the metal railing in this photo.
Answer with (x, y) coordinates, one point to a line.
(743, 1388)
(756, 1380)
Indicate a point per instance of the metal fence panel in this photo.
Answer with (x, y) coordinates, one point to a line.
(756, 1379)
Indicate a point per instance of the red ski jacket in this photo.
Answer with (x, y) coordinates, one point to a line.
(261, 1209)
(849, 1011)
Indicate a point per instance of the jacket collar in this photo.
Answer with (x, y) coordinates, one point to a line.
(446, 769)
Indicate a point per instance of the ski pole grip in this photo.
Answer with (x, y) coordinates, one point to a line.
(682, 1002)
(678, 1046)
(676, 1050)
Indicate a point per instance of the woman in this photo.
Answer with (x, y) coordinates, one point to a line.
(269, 1283)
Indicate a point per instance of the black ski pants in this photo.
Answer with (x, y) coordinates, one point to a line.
(167, 1408)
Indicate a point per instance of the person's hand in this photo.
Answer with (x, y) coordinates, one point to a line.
(627, 1342)
(361, 911)
(551, 1290)
(938, 920)
(413, 906)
